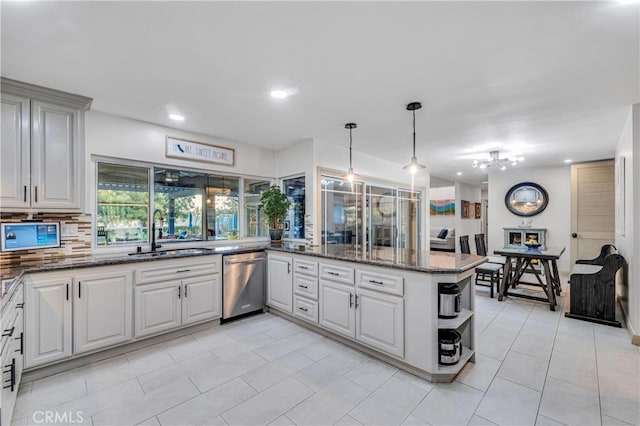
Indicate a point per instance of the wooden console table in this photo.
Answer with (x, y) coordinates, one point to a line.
(549, 282)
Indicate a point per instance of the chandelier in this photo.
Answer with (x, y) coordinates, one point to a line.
(495, 160)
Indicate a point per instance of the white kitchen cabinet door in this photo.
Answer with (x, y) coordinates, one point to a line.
(380, 321)
(337, 308)
(157, 307)
(14, 146)
(201, 298)
(102, 309)
(47, 319)
(56, 156)
(280, 283)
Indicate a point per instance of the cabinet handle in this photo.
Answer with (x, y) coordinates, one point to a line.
(303, 309)
(67, 291)
(333, 273)
(303, 267)
(350, 300)
(12, 379)
(79, 289)
(36, 193)
(179, 291)
(376, 282)
(8, 332)
(288, 267)
(179, 271)
(185, 290)
(21, 338)
(25, 194)
(356, 301)
(20, 305)
(302, 286)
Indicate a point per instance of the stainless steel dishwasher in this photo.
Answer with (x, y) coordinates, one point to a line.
(243, 283)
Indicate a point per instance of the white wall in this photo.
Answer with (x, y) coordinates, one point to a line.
(556, 218)
(113, 136)
(628, 242)
(469, 227)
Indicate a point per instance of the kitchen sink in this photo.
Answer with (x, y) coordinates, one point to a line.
(171, 252)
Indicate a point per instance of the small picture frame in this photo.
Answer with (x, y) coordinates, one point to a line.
(287, 225)
(478, 210)
(465, 209)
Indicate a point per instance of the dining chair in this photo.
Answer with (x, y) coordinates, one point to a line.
(464, 244)
(489, 272)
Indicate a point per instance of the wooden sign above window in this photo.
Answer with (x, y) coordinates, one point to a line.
(190, 150)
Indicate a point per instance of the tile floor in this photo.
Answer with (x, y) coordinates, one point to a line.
(533, 366)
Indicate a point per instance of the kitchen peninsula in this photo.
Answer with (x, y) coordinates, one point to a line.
(382, 301)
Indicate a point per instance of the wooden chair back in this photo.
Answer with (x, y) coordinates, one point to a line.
(464, 244)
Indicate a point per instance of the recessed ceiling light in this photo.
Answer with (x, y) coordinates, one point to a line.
(176, 117)
(486, 181)
(283, 93)
(459, 173)
(627, 1)
(568, 160)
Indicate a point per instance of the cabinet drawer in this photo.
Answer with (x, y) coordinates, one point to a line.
(305, 267)
(306, 309)
(337, 273)
(393, 284)
(305, 286)
(154, 271)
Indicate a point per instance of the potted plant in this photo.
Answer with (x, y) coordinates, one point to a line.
(275, 205)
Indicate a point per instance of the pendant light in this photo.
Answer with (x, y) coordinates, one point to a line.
(350, 176)
(413, 165)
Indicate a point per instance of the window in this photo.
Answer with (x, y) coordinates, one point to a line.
(391, 214)
(177, 202)
(223, 205)
(294, 189)
(256, 224)
(187, 205)
(122, 214)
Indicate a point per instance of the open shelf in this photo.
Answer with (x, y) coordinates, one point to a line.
(455, 323)
(455, 368)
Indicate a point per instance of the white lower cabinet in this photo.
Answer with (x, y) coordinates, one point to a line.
(202, 299)
(336, 308)
(102, 311)
(280, 283)
(370, 317)
(158, 308)
(380, 321)
(47, 311)
(193, 295)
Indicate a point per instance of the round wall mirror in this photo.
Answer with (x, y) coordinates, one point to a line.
(526, 199)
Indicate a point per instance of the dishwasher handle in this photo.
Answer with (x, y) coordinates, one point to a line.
(244, 262)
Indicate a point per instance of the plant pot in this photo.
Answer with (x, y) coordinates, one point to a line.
(275, 234)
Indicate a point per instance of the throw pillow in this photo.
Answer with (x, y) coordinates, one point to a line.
(443, 233)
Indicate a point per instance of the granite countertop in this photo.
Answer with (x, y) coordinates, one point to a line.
(435, 262)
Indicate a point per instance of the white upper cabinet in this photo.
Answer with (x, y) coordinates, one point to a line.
(42, 149)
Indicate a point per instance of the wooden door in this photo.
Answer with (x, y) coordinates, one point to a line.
(201, 298)
(592, 208)
(102, 310)
(47, 319)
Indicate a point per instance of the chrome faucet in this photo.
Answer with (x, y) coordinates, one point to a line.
(155, 246)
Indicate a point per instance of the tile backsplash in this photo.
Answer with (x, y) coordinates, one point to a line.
(79, 245)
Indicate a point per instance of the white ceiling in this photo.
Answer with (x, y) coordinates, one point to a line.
(546, 80)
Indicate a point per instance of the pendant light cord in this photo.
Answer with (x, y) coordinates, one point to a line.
(350, 143)
(414, 132)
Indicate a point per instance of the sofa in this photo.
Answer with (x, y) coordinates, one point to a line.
(446, 244)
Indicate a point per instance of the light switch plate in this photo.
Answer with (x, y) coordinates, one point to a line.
(69, 230)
